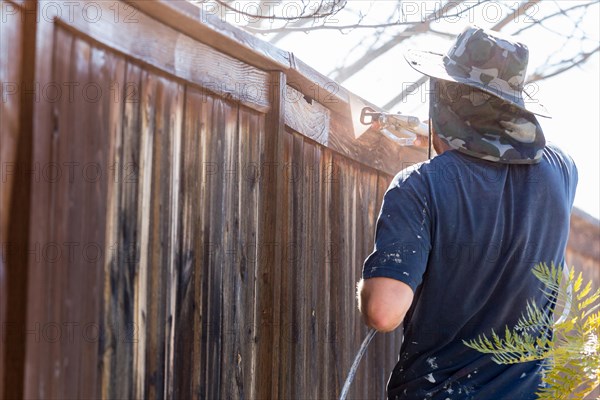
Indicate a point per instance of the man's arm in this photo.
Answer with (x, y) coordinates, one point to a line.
(383, 302)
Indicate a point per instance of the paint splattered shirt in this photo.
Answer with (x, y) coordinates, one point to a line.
(464, 233)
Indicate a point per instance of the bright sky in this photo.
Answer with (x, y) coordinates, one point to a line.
(572, 97)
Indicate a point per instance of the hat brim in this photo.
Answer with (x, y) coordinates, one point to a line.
(432, 64)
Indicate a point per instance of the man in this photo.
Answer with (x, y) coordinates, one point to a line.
(457, 235)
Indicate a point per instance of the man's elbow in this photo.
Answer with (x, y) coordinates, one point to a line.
(382, 321)
(383, 302)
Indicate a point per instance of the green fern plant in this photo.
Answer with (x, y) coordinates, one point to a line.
(571, 353)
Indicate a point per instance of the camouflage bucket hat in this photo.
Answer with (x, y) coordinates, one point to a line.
(484, 60)
(484, 126)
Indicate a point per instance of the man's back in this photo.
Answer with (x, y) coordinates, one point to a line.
(482, 226)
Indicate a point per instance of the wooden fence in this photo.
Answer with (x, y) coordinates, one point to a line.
(198, 211)
(188, 211)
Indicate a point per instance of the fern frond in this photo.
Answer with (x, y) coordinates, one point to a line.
(578, 282)
(572, 353)
(584, 291)
(585, 302)
(534, 318)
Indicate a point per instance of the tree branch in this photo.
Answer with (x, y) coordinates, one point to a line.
(336, 6)
(579, 59)
(430, 18)
(561, 12)
(345, 73)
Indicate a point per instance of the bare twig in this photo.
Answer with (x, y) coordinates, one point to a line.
(321, 11)
(412, 30)
(430, 18)
(564, 65)
(549, 16)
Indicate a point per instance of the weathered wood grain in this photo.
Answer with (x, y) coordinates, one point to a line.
(232, 74)
(300, 206)
(61, 191)
(183, 16)
(112, 73)
(228, 243)
(75, 140)
(143, 218)
(267, 304)
(159, 46)
(210, 29)
(94, 226)
(325, 283)
(37, 383)
(251, 129)
(288, 266)
(174, 127)
(315, 260)
(583, 252)
(365, 212)
(128, 250)
(215, 232)
(310, 119)
(11, 65)
(17, 38)
(189, 253)
(158, 238)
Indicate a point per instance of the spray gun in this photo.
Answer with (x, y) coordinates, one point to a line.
(402, 129)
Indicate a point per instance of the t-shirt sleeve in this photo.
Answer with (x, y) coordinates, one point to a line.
(403, 233)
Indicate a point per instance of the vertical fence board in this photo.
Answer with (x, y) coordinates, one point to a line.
(39, 357)
(12, 278)
(288, 266)
(185, 336)
(62, 154)
(159, 239)
(94, 225)
(112, 74)
(365, 214)
(251, 127)
(228, 246)
(128, 248)
(268, 233)
(214, 233)
(190, 301)
(344, 201)
(297, 332)
(77, 138)
(148, 92)
(174, 115)
(313, 171)
(204, 106)
(326, 284)
(338, 367)
(251, 291)
(18, 35)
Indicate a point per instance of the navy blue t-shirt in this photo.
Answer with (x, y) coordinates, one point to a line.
(464, 234)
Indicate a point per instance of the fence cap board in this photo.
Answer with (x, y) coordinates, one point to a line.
(233, 41)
